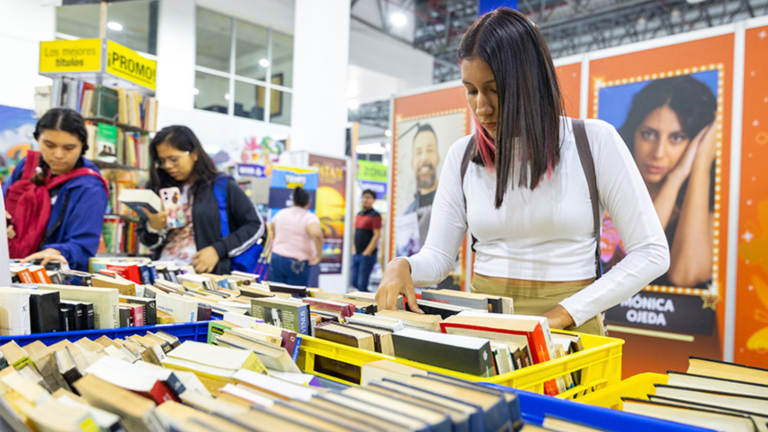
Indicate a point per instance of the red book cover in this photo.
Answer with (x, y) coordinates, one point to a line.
(536, 343)
(345, 310)
(159, 394)
(25, 276)
(291, 343)
(130, 272)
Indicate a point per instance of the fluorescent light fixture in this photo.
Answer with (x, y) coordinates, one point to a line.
(353, 104)
(116, 26)
(398, 19)
(264, 63)
(195, 91)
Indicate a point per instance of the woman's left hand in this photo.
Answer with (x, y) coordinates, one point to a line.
(558, 318)
(47, 256)
(205, 260)
(707, 150)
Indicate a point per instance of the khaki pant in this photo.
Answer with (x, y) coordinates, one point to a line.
(535, 300)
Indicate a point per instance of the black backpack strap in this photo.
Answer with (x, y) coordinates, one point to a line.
(588, 165)
(465, 160)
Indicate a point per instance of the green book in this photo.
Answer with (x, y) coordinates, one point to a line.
(216, 329)
(283, 313)
(106, 143)
(105, 102)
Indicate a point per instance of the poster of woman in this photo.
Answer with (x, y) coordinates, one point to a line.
(671, 129)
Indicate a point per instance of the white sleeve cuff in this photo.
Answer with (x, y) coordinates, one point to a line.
(161, 232)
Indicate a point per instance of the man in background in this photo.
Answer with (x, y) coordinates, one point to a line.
(365, 246)
(425, 160)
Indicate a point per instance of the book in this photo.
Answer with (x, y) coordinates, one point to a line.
(150, 307)
(274, 358)
(681, 379)
(138, 380)
(136, 412)
(43, 311)
(219, 357)
(15, 355)
(273, 386)
(176, 413)
(106, 142)
(464, 354)
(402, 420)
(76, 314)
(295, 291)
(714, 398)
(125, 287)
(105, 302)
(492, 303)
(105, 420)
(126, 320)
(530, 330)
(282, 313)
(413, 320)
(437, 421)
(726, 370)
(382, 338)
(705, 418)
(45, 362)
(180, 308)
(444, 310)
(345, 335)
(67, 317)
(379, 370)
(15, 319)
(380, 322)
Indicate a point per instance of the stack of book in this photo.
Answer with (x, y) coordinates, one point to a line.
(136, 110)
(710, 394)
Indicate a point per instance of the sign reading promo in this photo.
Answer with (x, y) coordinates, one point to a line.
(130, 66)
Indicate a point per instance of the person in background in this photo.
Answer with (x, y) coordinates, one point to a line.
(671, 131)
(364, 248)
(179, 160)
(424, 162)
(73, 230)
(298, 241)
(524, 194)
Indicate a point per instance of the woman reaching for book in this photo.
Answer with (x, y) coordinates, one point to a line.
(71, 228)
(519, 186)
(179, 161)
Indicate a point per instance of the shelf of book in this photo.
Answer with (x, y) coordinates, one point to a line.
(123, 126)
(536, 407)
(116, 166)
(194, 331)
(599, 364)
(638, 386)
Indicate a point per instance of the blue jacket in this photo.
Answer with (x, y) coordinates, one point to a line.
(78, 215)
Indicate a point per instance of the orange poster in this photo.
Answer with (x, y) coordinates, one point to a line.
(569, 79)
(425, 126)
(751, 341)
(672, 106)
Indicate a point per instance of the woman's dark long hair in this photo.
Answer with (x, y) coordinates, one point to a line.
(60, 119)
(181, 138)
(301, 197)
(692, 101)
(530, 103)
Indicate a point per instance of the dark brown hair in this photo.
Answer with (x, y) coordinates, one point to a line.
(530, 103)
(181, 138)
(60, 119)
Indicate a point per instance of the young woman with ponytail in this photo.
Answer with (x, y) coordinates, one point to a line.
(522, 191)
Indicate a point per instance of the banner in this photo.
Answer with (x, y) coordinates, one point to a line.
(331, 208)
(668, 106)
(751, 339)
(425, 126)
(284, 181)
(569, 81)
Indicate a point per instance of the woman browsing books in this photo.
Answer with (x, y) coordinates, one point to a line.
(186, 177)
(56, 198)
(521, 187)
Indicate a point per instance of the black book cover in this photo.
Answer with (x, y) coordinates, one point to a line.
(496, 305)
(82, 316)
(67, 317)
(150, 309)
(15, 278)
(472, 361)
(44, 311)
(78, 321)
(90, 316)
(295, 291)
(437, 310)
(125, 317)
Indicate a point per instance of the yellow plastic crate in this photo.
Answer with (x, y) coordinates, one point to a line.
(638, 386)
(599, 363)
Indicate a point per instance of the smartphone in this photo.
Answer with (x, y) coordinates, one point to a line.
(171, 198)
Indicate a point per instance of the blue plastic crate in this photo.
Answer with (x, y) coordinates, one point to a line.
(195, 331)
(536, 406)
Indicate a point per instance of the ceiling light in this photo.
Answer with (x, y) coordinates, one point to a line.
(116, 26)
(398, 19)
(388, 133)
(195, 91)
(227, 96)
(264, 63)
(353, 104)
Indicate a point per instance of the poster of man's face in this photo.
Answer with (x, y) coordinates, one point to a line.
(421, 147)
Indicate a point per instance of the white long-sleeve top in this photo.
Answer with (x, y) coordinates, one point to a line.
(546, 234)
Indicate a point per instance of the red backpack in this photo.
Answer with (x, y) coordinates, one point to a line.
(30, 205)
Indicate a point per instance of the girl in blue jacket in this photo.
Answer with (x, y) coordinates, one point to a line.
(77, 207)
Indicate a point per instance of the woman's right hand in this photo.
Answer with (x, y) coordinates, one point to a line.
(157, 220)
(397, 280)
(9, 231)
